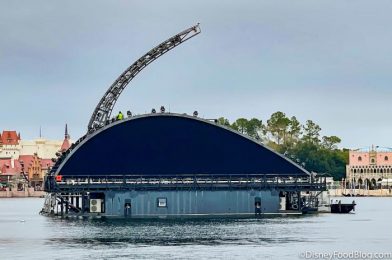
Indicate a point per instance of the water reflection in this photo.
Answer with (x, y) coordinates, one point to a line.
(116, 232)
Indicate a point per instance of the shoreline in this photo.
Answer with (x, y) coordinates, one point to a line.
(28, 193)
(360, 193)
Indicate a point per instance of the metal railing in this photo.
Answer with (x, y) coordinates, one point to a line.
(196, 182)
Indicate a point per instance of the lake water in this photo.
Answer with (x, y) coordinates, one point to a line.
(24, 234)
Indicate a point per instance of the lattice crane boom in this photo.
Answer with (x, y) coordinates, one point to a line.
(103, 111)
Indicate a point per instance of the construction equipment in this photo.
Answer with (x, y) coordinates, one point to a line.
(103, 111)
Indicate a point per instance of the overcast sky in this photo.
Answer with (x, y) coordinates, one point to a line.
(329, 61)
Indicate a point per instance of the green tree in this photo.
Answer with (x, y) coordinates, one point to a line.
(277, 126)
(294, 130)
(331, 142)
(240, 125)
(254, 128)
(223, 121)
(311, 132)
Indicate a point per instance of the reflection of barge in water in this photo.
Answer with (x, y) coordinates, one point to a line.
(170, 165)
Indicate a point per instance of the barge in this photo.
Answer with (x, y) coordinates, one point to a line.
(170, 165)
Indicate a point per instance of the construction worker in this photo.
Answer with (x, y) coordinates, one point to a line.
(120, 116)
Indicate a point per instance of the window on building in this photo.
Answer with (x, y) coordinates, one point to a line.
(386, 158)
(162, 203)
(372, 160)
(359, 158)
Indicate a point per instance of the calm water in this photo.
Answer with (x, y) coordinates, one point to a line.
(38, 237)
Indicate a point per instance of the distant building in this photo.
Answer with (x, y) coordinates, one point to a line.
(35, 169)
(10, 173)
(28, 159)
(42, 147)
(9, 144)
(9, 166)
(67, 141)
(368, 168)
(45, 149)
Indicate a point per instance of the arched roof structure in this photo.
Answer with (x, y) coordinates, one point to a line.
(168, 145)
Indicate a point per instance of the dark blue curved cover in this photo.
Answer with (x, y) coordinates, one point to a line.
(168, 145)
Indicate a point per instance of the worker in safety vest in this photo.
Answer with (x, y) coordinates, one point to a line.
(120, 116)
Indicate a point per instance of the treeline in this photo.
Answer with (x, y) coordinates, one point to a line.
(301, 143)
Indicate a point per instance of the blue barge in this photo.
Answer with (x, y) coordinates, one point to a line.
(170, 165)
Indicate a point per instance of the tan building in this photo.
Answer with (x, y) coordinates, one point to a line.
(42, 147)
(369, 168)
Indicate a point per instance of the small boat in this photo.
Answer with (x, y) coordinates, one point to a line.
(343, 207)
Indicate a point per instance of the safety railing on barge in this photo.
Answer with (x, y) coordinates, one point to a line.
(72, 184)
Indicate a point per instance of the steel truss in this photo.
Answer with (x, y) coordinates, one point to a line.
(103, 111)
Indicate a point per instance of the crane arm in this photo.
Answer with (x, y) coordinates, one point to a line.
(104, 109)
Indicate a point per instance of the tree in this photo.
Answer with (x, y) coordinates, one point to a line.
(294, 130)
(330, 142)
(277, 125)
(223, 121)
(311, 132)
(240, 125)
(254, 127)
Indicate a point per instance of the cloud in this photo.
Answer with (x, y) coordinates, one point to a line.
(328, 61)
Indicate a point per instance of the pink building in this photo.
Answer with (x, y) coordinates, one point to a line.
(369, 167)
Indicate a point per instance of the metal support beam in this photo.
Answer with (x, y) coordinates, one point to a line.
(105, 106)
(62, 206)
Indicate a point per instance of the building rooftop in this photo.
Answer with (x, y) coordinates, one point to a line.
(9, 138)
(28, 161)
(9, 167)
